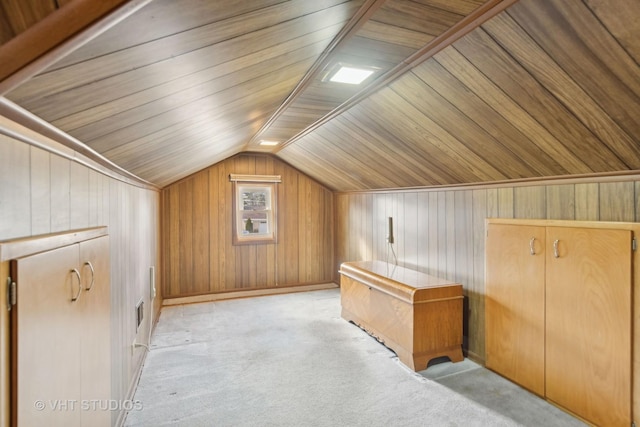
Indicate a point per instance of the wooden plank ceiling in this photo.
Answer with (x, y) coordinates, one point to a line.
(464, 92)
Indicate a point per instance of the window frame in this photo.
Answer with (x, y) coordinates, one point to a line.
(255, 184)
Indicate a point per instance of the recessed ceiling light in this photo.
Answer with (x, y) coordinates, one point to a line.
(270, 143)
(351, 75)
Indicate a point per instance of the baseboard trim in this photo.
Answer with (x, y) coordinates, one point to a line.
(122, 416)
(247, 293)
(476, 358)
(133, 385)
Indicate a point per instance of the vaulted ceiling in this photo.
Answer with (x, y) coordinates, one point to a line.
(465, 91)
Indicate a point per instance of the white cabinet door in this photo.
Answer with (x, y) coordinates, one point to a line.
(61, 337)
(46, 334)
(95, 364)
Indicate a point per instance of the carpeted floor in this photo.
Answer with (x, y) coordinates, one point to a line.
(291, 360)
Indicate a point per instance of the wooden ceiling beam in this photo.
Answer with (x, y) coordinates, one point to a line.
(61, 32)
(472, 21)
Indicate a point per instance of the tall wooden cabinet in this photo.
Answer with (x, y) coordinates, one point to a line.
(559, 313)
(60, 334)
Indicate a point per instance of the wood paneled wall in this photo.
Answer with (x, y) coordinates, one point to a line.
(198, 253)
(42, 193)
(443, 232)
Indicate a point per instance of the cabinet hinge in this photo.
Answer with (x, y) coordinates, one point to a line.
(12, 296)
(634, 244)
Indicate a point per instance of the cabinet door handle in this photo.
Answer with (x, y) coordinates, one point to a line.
(555, 249)
(532, 250)
(93, 275)
(77, 273)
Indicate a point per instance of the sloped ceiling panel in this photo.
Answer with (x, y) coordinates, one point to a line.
(394, 32)
(543, 89)
(182, 85)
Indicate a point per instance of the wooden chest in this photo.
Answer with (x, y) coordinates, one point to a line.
(416, 315)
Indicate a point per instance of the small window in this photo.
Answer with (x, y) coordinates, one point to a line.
(254, 213)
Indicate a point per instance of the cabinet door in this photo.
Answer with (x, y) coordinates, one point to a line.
(95, 366)
(514, 304)
(588, 328)
(46, 328)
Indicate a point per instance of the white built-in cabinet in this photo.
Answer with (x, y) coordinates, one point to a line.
(559, 312)
(61, 335)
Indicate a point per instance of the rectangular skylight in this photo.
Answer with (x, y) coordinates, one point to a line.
(269, 143)
(351, 75)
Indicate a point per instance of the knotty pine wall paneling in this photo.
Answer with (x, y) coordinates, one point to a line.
(42, 193)
(15, 209)
(198, 250)
(60, 197)
(442, 232)
(617, 202)
(286, 258)
(587, 202)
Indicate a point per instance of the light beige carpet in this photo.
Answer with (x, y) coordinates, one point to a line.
(291, 360)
